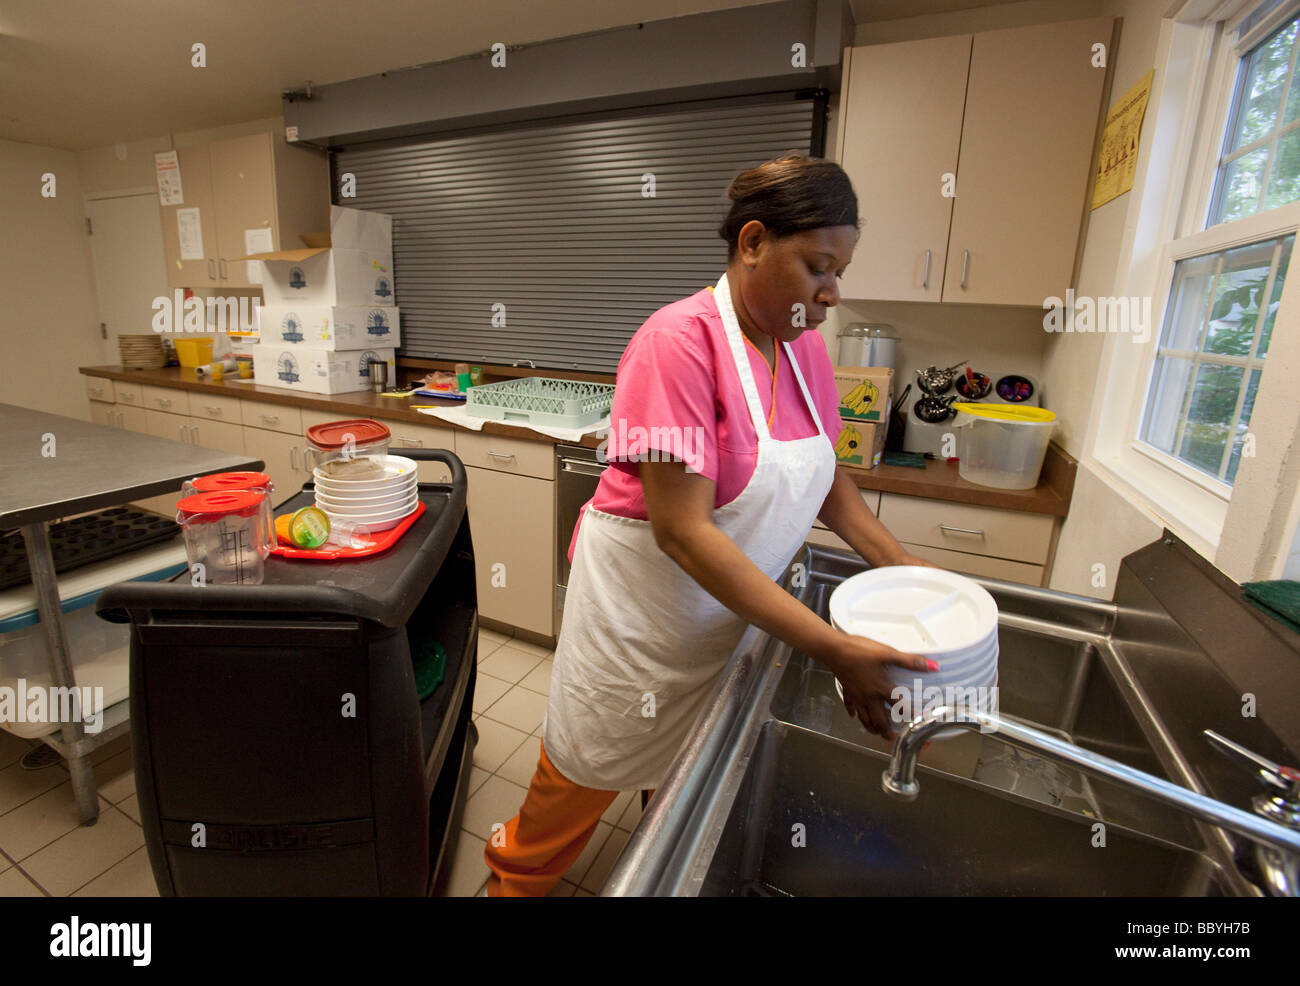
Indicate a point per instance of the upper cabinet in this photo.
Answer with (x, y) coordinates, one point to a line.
(970, 156)
(239, 185)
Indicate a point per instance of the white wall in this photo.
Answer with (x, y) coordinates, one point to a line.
(49, 317)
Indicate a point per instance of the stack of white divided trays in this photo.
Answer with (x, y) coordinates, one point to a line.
(329, 309)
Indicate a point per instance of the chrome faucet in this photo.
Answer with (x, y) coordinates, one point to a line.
(1274, 826)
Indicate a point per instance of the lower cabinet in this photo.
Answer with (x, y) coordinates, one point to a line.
(1002, 544)
(512, 523)
(284, 458)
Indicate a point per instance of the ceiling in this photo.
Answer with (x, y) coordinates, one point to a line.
(89, 73)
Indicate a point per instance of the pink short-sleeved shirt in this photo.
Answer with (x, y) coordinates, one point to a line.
(678, 393)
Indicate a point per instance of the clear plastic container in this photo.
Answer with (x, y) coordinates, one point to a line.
(223, 533)
(1002, 445)
(348, 439)
(227, 482)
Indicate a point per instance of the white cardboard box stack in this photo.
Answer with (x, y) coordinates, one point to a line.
(329, 308)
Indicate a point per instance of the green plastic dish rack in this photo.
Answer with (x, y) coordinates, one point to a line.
(541, 401)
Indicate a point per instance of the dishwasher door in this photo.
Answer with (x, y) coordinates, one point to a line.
(578, 472)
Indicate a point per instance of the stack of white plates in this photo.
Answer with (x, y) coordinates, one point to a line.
(379, 502)
(946, 617)
(141, 352)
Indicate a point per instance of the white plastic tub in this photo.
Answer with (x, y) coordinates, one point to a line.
(1002, 445)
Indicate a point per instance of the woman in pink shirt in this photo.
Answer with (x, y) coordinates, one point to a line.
(721, 457)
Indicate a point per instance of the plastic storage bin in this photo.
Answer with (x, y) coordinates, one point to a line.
(1002, 445)
(98, 650)
(193, 352)
(348, 439)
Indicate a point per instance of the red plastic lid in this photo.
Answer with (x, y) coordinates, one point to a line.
(244, 503)
(333, 434)
(221, 481)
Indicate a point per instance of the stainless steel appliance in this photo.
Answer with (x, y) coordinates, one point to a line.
(578, 471)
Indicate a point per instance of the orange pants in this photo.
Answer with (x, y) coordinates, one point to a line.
(537, 846)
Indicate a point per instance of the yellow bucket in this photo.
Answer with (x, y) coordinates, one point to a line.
(194, 352)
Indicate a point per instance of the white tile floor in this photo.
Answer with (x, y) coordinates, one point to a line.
(45, 852)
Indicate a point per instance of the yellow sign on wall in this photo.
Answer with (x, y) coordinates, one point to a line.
(1119, 143)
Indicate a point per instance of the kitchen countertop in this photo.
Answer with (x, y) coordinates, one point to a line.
(938, 480)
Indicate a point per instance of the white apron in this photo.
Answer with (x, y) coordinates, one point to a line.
(642, 642)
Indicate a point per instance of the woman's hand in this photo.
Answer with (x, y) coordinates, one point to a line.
(862, 667)
(904, 558)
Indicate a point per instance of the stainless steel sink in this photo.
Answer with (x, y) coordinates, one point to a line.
(811, 819)
(777, 792)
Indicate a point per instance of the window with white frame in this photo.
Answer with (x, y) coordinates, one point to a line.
(1230, 266)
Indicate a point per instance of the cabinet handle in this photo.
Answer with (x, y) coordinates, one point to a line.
(293, 457)
(965, 266)
(417, 442)
(127, 395)
(118, 417)
(163, 401)
(97, 391)
(182, 431)
(212, 269)
(212, 409)
(194, 434)
(272, 418)
(501, 455)
(959, 530)
(222, 265)
(925, 277)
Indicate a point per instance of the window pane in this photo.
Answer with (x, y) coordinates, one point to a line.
(1284, 177)
(1243, 426)
(1262, 96)
(1237, 297)
(1275, 297)
(1266, 76)
(1193, 279)
(1210, 416)
(1240, 186)
(1197, 380)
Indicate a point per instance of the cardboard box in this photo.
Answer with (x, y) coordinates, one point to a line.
(318, 371)
(328, 327)
(861, 444)
(864, 392)
(350, 265)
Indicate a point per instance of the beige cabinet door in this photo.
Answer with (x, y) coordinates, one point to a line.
(283, 458)
(216, 434)
(196, 189)
(902, 130)
(131, 418)
(243, 195)
(1032, 106)
(174, 427)
(103, 414)
(512, 524)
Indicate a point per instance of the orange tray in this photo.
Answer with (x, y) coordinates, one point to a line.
(333, 552)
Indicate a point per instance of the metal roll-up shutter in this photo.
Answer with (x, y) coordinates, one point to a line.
(543, 242)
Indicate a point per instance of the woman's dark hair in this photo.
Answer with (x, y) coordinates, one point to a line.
(788, 195)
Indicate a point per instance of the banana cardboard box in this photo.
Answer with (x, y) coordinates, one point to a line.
(864, 392)
(861, 444)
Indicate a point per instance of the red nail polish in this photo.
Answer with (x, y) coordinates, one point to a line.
(931, 665)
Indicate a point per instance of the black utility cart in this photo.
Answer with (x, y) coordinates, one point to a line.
(280, 745)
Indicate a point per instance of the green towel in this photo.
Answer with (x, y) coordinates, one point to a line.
(430, 664)
(1279, 598)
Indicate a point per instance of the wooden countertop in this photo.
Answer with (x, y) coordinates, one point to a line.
(938, 480)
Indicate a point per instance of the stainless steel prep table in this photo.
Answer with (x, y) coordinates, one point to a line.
(57, 466)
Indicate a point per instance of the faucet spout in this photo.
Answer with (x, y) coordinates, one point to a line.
(900, 781)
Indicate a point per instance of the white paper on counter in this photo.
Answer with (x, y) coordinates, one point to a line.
(167, 168)
(257, 241)
(190, 228)
(461, 416)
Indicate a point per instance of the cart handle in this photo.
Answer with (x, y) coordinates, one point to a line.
(443, 455)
